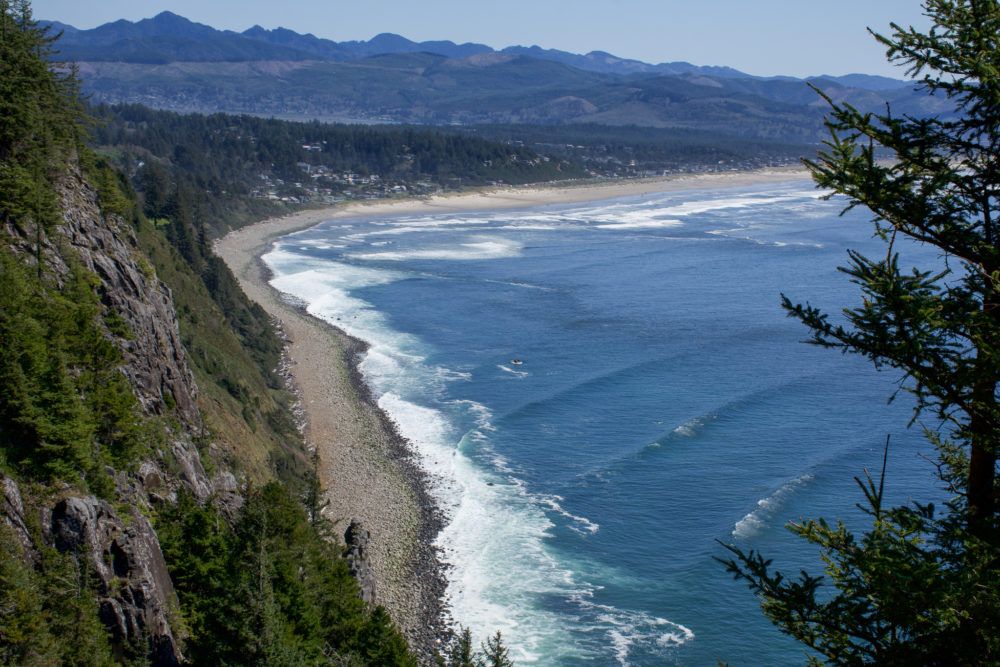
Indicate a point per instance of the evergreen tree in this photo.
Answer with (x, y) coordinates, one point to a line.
(461, 653)
(271, 590)
(40, 114)
(47, 610)
(921, 586)
(495, 654)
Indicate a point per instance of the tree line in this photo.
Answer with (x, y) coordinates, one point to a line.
(221, 159)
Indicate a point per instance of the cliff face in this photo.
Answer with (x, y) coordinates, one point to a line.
(106, 245)
(135, 595)
(116, 544)
(154, 360)
(154, 357)
(136, 598)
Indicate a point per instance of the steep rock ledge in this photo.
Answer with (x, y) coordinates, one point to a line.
(136, 595)
(154, 359)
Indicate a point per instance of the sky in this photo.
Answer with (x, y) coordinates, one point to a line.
(760, 37)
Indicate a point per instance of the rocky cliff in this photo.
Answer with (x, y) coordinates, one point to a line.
(119, 546)
(154, 357)
(129, 353)
(136, 597)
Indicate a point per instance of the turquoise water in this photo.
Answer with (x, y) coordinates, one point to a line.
(662, 403)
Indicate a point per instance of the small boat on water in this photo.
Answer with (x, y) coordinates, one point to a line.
(516, 362)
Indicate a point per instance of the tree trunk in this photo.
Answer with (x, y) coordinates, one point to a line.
(982, 463)
(979, 493)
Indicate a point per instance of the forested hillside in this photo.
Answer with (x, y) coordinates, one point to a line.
(229, 169)
(159, 505)
(630, 150)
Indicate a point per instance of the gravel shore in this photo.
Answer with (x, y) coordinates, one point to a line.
(364, 464)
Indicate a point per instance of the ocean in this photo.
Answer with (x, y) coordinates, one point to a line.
(602, 393)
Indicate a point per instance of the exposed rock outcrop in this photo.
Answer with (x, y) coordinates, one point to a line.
(191, 473)
(135, 594)
(154, 357)
(357, 538)
(12, 512)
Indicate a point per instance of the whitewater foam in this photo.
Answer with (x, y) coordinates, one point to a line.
(642, 224)
(508, 369)
(692, 427)
(462, 252)
(512, 532)
(767, 508)
(580, 524)
(495, 533)
(626, 629)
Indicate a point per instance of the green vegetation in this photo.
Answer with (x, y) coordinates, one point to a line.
(492, 654)
(40, 118)
(629, 150)
(232, 348)
(48, 614)
(922, 585)
(220, 171)
(263, 583)
(269, 590)
(65, 410)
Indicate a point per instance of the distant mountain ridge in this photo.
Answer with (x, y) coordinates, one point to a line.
(169, 62)
(131, 42)
(164, 24)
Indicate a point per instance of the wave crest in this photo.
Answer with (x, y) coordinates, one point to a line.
(767, 508)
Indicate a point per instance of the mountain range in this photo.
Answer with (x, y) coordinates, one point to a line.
(173, 63)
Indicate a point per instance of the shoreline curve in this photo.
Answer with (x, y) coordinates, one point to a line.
(367, 468)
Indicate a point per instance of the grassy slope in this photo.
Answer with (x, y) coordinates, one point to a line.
(248, 419)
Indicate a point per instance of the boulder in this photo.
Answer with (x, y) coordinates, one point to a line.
(135, 594)
(357, 538)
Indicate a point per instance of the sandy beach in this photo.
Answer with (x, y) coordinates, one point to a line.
(364, 464)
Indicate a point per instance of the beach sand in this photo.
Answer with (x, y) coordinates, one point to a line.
(364, 463)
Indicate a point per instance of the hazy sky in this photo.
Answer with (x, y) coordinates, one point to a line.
(763, 37)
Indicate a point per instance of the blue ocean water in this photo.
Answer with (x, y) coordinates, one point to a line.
(601, 392)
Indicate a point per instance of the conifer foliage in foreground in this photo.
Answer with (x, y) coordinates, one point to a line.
(922, 585)
(492, 652)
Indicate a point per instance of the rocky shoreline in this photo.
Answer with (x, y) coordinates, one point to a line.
(371, 476)
(432, 630)
(428, 630)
